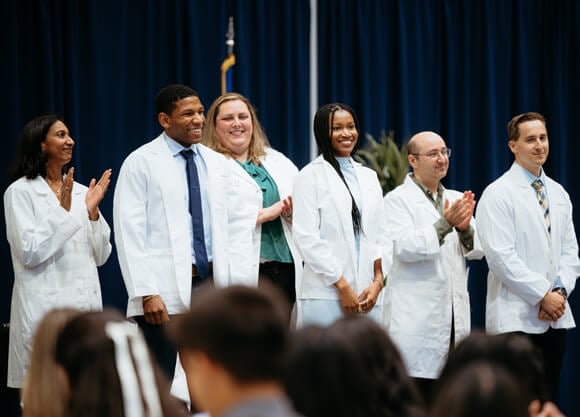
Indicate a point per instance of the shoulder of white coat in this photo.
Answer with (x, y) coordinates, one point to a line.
(145, 151)
(210, 153)
(555, 185)
(498, 187)
(310, 174)
(274, 156)
(399, 191)
(23, 185)
(498, 195)
(316, 165)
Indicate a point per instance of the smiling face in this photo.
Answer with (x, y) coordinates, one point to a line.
(428, 158)
(185, 122)
(58, 145)
(531, 148)
(343, 133)
(234, 128)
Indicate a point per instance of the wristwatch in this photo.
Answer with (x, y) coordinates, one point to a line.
(562, 292)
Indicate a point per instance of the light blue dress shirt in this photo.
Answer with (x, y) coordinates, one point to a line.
(175, 149)
(347, 169)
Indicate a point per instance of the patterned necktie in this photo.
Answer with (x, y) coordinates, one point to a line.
(539, 187)
(201, 261)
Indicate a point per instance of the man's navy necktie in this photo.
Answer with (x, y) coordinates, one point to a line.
(201, 261)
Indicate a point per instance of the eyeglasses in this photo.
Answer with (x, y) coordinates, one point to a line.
(434, 154)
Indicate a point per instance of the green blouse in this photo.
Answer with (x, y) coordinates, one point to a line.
(274, 246)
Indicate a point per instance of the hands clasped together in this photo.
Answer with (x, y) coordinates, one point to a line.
(552, 306)
(363, 303)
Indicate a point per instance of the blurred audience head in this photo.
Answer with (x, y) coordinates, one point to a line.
(41, 396)
(107, 369)
(511, 351)
(393, 391)
(232, 340)
(326, 377)
(481, 389)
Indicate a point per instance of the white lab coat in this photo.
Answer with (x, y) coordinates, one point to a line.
(323, 230)
(245, 198)
(55, 254)
(523, 262)
(426, 281)
(151, 232)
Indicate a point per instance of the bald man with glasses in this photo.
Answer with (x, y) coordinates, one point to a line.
(426, 306)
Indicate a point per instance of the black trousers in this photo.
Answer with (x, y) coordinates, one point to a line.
(281, 274)
(164, 351)
(552, 345)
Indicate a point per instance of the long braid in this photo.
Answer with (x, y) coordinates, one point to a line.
(323, 135)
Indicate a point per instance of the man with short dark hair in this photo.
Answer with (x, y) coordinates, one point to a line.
(232, 345)
(167, 242)
(526, 230)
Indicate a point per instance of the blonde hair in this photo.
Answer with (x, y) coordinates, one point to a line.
(258, 142)
(42, 396)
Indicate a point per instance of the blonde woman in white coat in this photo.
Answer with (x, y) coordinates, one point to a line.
(57, 235)
(261, 245)
(337, 225)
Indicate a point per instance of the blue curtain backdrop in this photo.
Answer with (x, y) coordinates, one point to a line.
(461, 68)
(99, 63)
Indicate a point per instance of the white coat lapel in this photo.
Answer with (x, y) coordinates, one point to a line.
(240, 174)
(217, 173)
(277, 170)
(526, 191)
(418, 199)
(366, 191)
(342, 203)
(171, 186)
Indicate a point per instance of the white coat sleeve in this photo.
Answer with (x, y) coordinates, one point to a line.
(130, 223)
(100, 239)
(316, 252)
(569, 268)
(496, 228)
(477, 251)
(410, 244)
(36, 231)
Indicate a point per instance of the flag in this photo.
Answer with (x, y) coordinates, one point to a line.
(229, 61)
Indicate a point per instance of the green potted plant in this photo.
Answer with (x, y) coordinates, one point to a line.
(385, 158)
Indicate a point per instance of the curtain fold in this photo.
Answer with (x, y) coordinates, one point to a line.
(461, 68)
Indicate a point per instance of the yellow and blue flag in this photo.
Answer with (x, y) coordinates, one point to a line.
(230, 61)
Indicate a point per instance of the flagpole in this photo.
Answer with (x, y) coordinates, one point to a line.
(230, 59)
(313, 73)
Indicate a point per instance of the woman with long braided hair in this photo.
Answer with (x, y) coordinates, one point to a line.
(337, 224)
